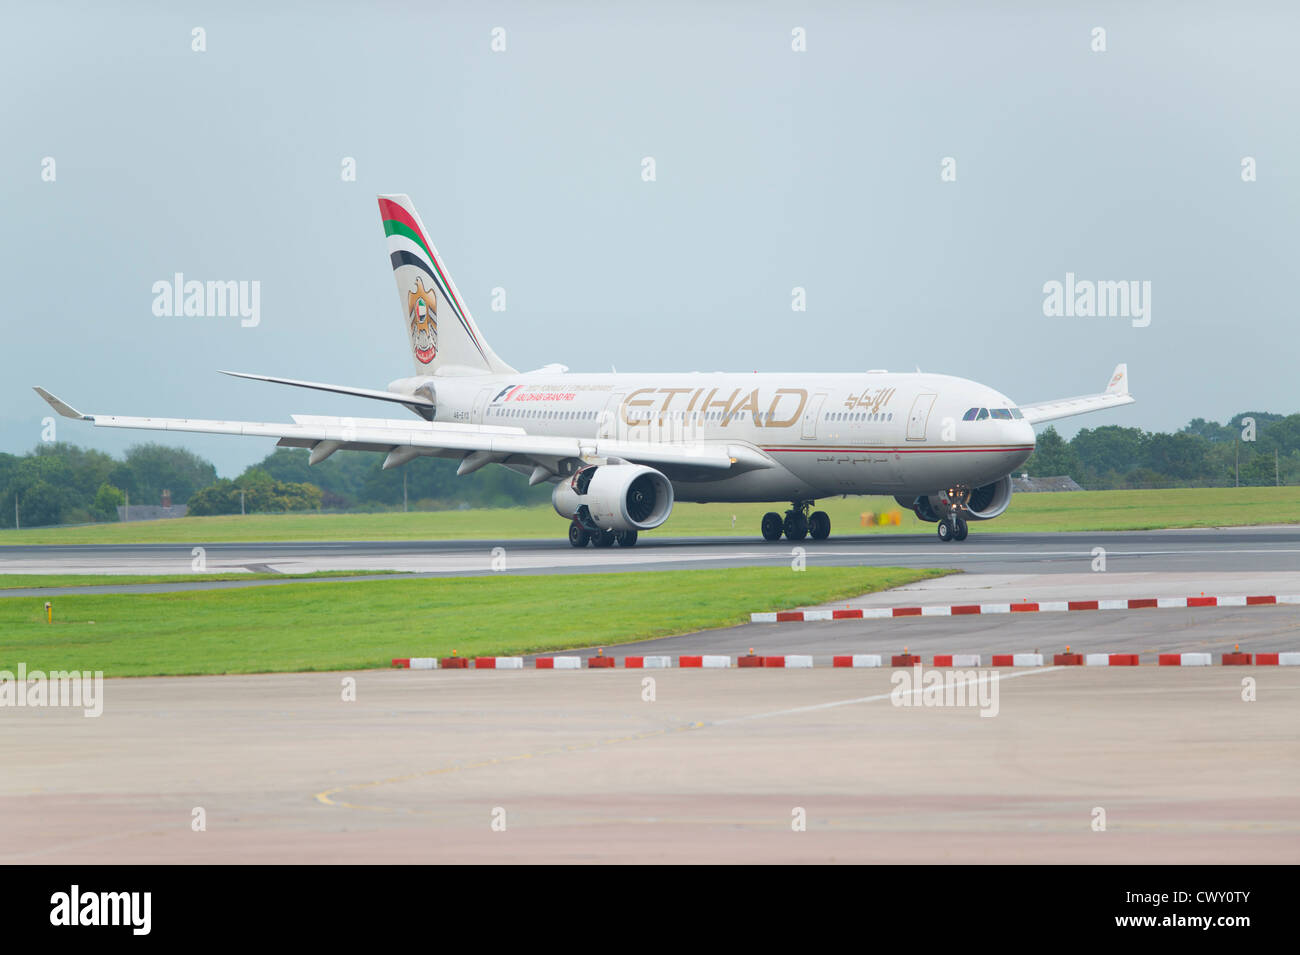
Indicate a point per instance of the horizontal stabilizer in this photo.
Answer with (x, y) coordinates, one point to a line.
(413, 400)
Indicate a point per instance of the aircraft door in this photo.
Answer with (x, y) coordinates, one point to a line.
(480, 406)
(610, 425)
(811, 415)
(919, 417)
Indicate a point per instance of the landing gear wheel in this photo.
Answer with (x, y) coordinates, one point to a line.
(962, 530)
(819, 525)
(626, 538)
(578, 535)
(772, 526)
(944, 531)
(603, 538)
(796, 526)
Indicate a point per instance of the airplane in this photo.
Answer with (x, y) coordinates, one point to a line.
(621, 449)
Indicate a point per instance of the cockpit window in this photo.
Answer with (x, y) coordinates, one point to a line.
(1002, 414)
(984, 413)
(1017, 413)
(970, 414)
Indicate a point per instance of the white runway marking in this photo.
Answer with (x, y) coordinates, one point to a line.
(813, 707)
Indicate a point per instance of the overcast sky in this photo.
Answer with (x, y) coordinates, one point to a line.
(774, 169)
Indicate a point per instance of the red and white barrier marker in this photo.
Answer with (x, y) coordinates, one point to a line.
(706, 661)
(791, 661)
(1042, 606)
(647, 663)
(1111, 660)
(1184, 660)
(858, 660)
(1017, 659)
(1278, 659)
(957, 659)
(498, 663)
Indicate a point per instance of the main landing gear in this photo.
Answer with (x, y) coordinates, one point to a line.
(797, 524)
(579, 536)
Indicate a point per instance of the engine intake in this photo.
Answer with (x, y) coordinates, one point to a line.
(989, 501)
(983, 504)
(617, 497)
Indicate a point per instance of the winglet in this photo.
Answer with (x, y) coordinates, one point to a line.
(61, 406)
(1118, 381)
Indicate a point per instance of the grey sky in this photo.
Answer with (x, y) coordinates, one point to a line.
(775, 169)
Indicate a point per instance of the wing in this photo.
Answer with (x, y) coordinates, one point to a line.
(475, 445)
(1115, 395)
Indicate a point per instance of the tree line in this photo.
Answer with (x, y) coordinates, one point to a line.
(60, 483)
(1254, 448)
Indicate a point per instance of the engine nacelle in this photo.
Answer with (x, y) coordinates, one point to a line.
(984, 503)
(919, 506)
(989, 501)
(615, 497)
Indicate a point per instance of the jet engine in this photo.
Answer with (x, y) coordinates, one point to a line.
(982, 504)
(617, 497)
(989, 501)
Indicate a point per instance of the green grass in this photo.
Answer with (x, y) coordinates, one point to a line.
(1069, 511)
(28, 581)
(356, 625)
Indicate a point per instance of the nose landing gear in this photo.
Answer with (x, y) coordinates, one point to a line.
(952, 526)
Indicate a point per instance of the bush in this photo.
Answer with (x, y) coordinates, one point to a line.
(107, 500)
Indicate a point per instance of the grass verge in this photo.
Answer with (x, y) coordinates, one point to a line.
(357, 625)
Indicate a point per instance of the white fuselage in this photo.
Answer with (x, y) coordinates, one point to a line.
(863, 433)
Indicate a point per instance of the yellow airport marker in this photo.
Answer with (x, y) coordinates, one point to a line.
(49, 613)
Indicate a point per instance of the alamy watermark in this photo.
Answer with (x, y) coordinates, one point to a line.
(946, 687)
(181, 298)
(1084, 298)
(75, 688)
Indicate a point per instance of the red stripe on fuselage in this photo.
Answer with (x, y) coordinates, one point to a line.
(863, 448)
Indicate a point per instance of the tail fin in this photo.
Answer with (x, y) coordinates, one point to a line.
(442, 333)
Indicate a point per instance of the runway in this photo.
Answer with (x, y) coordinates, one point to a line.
(542, 766)
(1243, 550)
